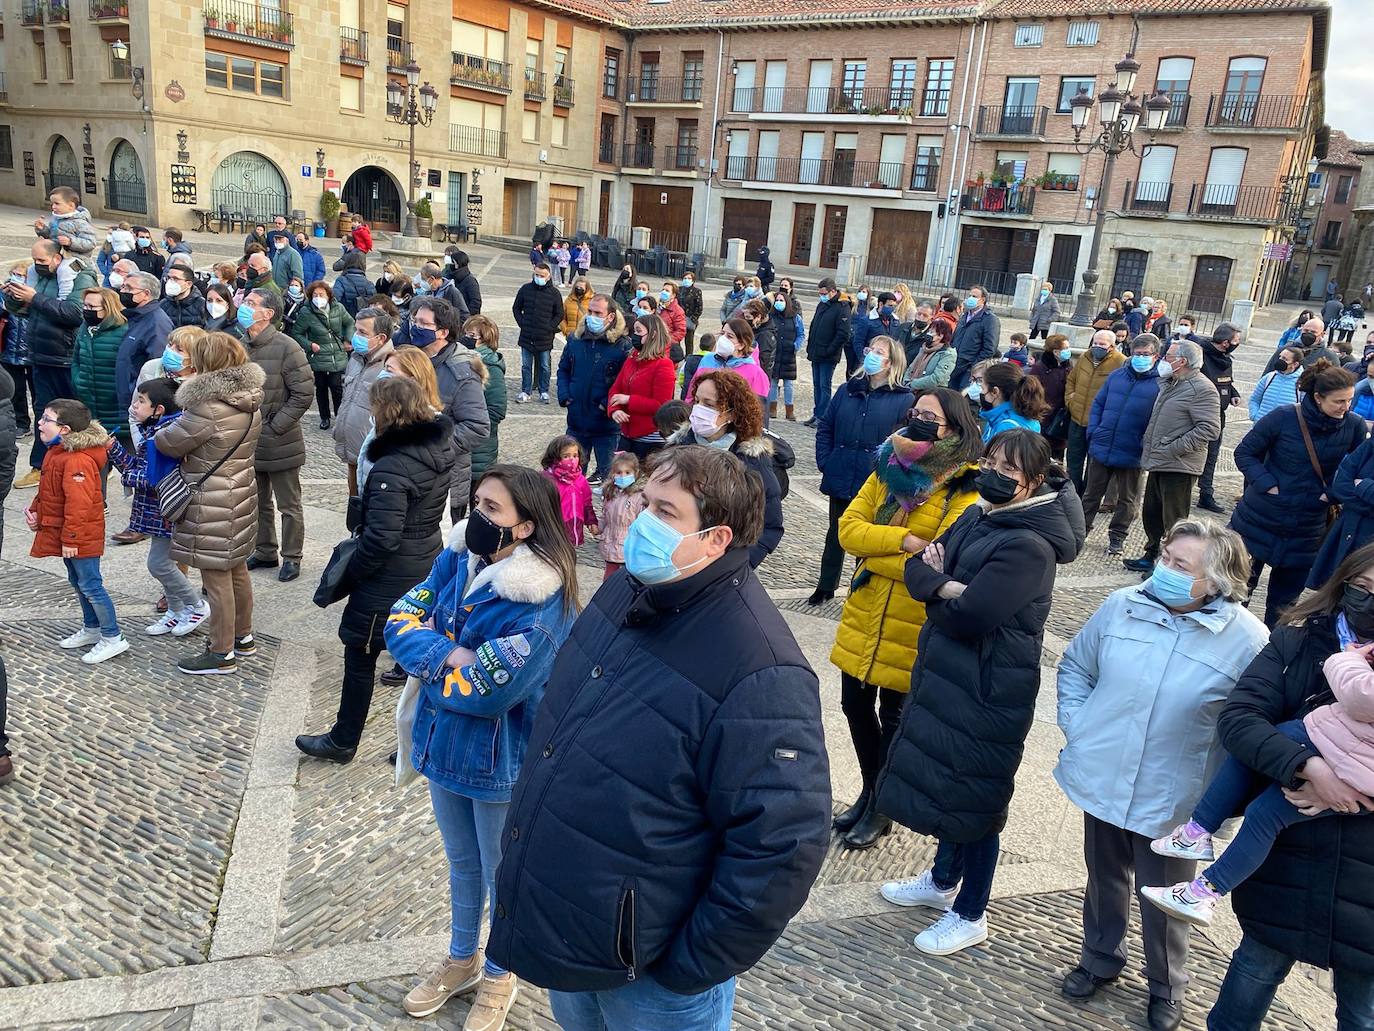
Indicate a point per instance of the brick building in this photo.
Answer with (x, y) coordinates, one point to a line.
(1324, 241)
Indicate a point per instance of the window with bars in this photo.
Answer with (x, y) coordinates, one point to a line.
(6, 148)
(1082, 34)
(1029, 35)
(610, 76)
(939, 79)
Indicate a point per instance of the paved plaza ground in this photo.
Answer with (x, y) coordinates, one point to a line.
(169, 860)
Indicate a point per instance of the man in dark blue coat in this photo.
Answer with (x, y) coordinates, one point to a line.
(975, 336)
(587, 369)
(674, 805)
(826, 342)
(1116, 436)
(146, 337)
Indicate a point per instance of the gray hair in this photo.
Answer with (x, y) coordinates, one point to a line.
(144, 281)
(1225, 560)
(124, 267)
(1104, 338)
(431, 271)
(1191, 353)
(268, 301)
(1146, 340)
(382, 322)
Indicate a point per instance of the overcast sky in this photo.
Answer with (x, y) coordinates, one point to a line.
(1349, 69)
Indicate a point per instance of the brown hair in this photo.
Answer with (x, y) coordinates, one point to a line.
(416, 365)
(70, 196)
(398, 401)
(1323, 378)
(656, 340)
(69, 412)
(727, 492)
(1026, 393)
(744, 333)
(484, 331)
(319, 284)
(737, 397)
(1326, 599)
(114, 308)
(211, 352)
(227, 271)
(536, 500)
(553, 453)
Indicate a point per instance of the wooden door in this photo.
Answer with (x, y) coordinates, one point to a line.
(563, 205)
(1130, 272)
(746, 220)
(666, 210)
(832, 234)
(1210, 279)
(984, 252)
(897, 243)
(510, 200)
(803, 232)
(1064, 263)
(603, 212)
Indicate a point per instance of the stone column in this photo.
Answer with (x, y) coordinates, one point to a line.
(1242, 314)
(850, 271)
(734, 254)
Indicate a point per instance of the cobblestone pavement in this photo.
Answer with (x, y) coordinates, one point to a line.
(170, 863)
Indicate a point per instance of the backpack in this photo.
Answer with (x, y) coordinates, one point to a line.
(784, 458)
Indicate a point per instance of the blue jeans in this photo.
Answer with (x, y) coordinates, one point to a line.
(472, 841)
(97, 608)
(786, 385)
(970, 867)
(598, 447)
(527, 371)
(1255, 973)
(822, 373)
(644, 1005)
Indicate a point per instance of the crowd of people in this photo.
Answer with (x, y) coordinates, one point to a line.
(962, 472)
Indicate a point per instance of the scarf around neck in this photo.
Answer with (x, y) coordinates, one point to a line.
(913, 470)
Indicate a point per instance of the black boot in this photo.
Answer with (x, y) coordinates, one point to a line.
(854, 813)
(322, 746)
(820, 597)
(871, 826)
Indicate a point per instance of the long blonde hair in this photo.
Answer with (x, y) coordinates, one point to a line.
(415, 365)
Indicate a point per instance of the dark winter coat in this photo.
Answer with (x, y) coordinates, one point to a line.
(145, 337)
(952, 766)
(1355, 526)
(9, 441)
(538, 312)
(403, 502)
(1120, 412)
(866, 329)
(14, 331)
(852, 426)
(728, 764)
(148, 260)
(471, 290)
(352, 288)
(287, 393)
(186, 310)
(689, 297)
(784, 326)
(485, 451)
(1055, 379)
(1216, 366)
(93, 374)
(586, 370)
(312, 263)
(465, 403)
(765, 269)
(830, 332)
(766, 347)
(332, 330)
(975, 338)
(449, 293)
(1313, 898)
(1286, 529)
(52, 324)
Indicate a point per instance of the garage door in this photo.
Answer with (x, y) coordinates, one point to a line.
(746, 220)
(897, 243)
(563, 205)
(666, 210)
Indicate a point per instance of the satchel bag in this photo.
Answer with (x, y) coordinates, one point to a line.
(1333, 510)
(174, 493)
(334, 585)
(1058, 426)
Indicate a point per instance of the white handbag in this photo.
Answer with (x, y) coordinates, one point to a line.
(406, 708)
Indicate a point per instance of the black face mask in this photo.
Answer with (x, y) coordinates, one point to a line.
(985, 404)
(91, 318)
(470, 342)
(920, 323)
(1097, 353)
(638, 343)
(1308, 339)
(483, 537)
(994, 487)
(921, 428)
(126, 298)
(1358, 606)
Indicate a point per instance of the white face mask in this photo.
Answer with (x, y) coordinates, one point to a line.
(704, 420)
(321, 303)
(116, 280)
(217, 309)
(724, 348)
(173, 288)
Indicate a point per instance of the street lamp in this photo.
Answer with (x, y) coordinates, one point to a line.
(1119, 112)
(411, 105)
(120, 50)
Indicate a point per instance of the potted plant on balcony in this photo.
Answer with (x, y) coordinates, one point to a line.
(211, 16)
(424, 217)
(329, 212)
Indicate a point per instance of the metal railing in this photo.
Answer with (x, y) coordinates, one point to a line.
(925, 178)
(1058, 182)
(563, 90)
(249, 20)
(680, 158)
(535, 88)
(934, 103)
(665, 90)
(109, 10)
(482, 72)
(1016, 199)
(637, 155)
(1011, 121)
(1273, 205)
(126, 195)
(836, 100)
(1176, 304)
(31, 12)
(872, 175)
(352, 45)
(59, 12)
(4, 93)
(606, 151)
(399, 53)
(1154, 198)
(52, 180)
(1256, 111)
(1178, 110)
(464, 139)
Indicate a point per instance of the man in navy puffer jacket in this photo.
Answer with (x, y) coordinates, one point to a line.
(674, 806)
(1116, 436)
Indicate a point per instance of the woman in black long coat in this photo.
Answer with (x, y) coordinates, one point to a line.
(786, 335)
(397, 525)
(986, 584)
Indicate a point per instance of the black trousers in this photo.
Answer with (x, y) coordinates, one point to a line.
(871, 731)
(4, 708)
(49, 382)
(360, 674)
(1285, 584)
(1204, 483)
(328, 386)
(1077, 455)
(832, 556)
(1043, 333)
(23, 387)
(1168, 498)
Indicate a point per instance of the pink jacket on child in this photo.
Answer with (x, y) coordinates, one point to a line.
(1344, 730)
(575, 496)
(616, 516)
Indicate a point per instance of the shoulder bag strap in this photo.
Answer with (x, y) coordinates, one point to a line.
(1311, 451)
(225, 457)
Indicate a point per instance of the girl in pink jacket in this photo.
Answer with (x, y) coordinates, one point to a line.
(1342, 733)
(563, 464)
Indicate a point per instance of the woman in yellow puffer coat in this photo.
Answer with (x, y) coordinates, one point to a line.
(921, 484)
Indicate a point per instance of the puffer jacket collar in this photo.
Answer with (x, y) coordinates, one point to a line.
(234, 386)
(94, 435)
(523, 577)
(432, 436)
(652, 603)
(615, 329)
(1055, 513)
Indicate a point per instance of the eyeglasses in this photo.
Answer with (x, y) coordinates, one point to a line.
(1005, 468)
(44, 420)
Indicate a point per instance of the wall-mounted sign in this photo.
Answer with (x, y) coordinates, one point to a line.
(474, 209)
(1278, 251)
(174, 92)
(88, 174)
(433, 177)
(334, 186)
(30, 179)
(183, 184)
(307, 171)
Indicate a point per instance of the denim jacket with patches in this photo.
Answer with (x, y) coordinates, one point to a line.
(472, 722)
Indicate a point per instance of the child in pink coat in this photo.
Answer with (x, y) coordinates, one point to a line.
(622, 495)
(1342, 733)
(563, 464)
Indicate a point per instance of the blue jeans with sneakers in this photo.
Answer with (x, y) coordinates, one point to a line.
(969, 868)
(644, 1005)
(97, 608)
(534, 371)
(472, 841)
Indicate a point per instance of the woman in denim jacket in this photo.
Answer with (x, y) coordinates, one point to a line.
(480, 634)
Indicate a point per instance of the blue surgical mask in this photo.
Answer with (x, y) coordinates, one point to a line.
(421, 337)
(1065, 355)
(1173, 588)
(689, 282)
(385, 374)
(245, 315)
(974, 391)
(751, 291)
(825, 298)
(541, 280)
(144, 242)
(885, 311)
(863, 295)
(1142, 362)
(780, 305)
(294, 291)
(625, 480)
(873, 363)
(595, 324)
(641, 293)
(664, 296)
(359, 344)
(970, 302)
(172, 361)
(1044, 294)
(649, 547)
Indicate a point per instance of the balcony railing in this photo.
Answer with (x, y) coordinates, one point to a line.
(352, 45)
(482, 72)
(31, 12)
(1011, 121)
(828, 100)
(871, 175)
(637, 155)
(925, 178)
(246, 20)
(1256, 111)
(680, 158)
(1150, 198)
(535, 88)
(665, 90)
(464, 139)
(1178, 110)
(934, 103)
(109, 10)
(563, 91)
(1018, 199)
(1272, 205)
(59, 12)
(399, 53)
(606, 153)
(4, 93)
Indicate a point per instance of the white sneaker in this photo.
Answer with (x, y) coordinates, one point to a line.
(919, 891)
(190, 620)
(544, 398)
(1179, 902)
(106, 648)
(1177, 846)
(951, 934)
(166, 625)
(521, 397)
(83, 638)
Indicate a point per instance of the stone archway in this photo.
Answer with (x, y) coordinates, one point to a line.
(250, 185)
(372, 193)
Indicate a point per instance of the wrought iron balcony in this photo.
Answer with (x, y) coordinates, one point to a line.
(242, 19)
(1256, 111)
(870, 175)
(488, 143)
(535, 88)
(31, 12)
(606, 153)
(637, 155)
(924, 178)
(934, 103)
(1178, 110)
(563, 91)
(1015, 199)
(399, 53)
(481, 72)
(655, 89)
(59, 12)
(1148, 198)
(4, 93)
(1018, 122)
(862, 101)
(1270, 205)
(680, 158)
(109, 10)
(352, 45)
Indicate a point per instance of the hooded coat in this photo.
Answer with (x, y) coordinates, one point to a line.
(952, 767)
(757, 454)
(288, 392)
(331, 329)
(484, 451)
(352, 288)
(587, 368)
(220, 527)
(69, 505)
(353, 420)
(186, 310)
(857, 420)
(51, 324)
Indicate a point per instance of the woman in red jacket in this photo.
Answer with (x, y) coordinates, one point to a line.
(644, 384)
(674, 318)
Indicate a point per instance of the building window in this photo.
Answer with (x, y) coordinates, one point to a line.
(529, 126)
(1343, 186)
(903, 88)
(1066, 170)
(939, 78)
(1331, 236)
(1082, 34)
(926, 169)
(244, 75)
(1029, 36)
(395, 35)
(350, 93)
(1068, 89)
(216, 70)
(853, 81)
(119, 70)
(560, 131)
(648, 76)
(607, 151)
(6, 148)
(1011, 164)
(610, 77)
(67, 65)
(40, 63)
(1175, 76)
(692, 63)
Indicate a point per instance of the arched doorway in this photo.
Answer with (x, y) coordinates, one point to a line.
(249, 185)
(126, 189)
(62, 167)
(370, 192)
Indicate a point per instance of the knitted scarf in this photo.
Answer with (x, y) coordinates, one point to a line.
(913, 470)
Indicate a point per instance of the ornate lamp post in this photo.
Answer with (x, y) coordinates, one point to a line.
(411, 105)
(1119, 112)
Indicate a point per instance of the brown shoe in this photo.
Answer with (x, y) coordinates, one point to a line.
(128, 537)
(29, 479)
(494, 1000)
(772, 409)
(451, 977)
(6, 769)
(791, 413)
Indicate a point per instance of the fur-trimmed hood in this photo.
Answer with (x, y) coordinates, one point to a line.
(94, 435)
(756, 447)
(239, 387)
(615, 328)
(522, 577)
(428, 441)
